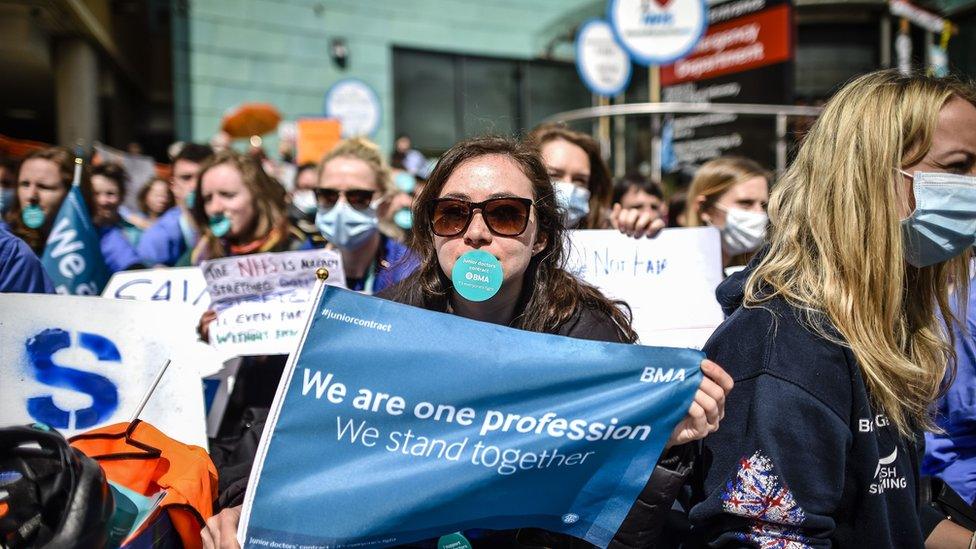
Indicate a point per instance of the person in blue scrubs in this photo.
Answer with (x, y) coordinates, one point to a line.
(108, 192)
(175, 233)
(20, 270)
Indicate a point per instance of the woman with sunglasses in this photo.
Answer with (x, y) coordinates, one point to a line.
(494, 195)
(354, 192)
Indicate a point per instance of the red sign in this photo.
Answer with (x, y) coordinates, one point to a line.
(742, 44)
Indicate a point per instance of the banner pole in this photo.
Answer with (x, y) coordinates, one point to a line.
(152, 388)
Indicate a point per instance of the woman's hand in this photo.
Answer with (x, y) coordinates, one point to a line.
(708, 408)
(636, 223)
(221, 529)
(203, 327)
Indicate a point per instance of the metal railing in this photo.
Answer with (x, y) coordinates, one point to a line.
(780, 112)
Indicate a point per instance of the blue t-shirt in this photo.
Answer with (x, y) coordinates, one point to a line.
(20, 270)
(117, 250)
(164, 243)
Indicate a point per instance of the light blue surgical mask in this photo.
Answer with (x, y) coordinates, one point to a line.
(219, 225)
(6, 199)
(943, 224)
(573, 201)
(345, 226)
(403, 218)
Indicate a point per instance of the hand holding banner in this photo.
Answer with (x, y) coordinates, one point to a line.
(441, 424)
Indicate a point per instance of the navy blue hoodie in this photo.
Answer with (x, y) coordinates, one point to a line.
(801, 459)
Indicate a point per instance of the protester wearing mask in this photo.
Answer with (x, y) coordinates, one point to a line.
(43, 181)
(302, 205)
(166, 242)
(494, 195)
(353, 193)
(839, 337)
(399, 214)
(730, 193)
(108, 192)
(579, 175)
(241, 210)
(8, 184)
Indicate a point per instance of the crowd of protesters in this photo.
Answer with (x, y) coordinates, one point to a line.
(848, 342)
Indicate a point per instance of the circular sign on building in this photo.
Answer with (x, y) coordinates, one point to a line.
(658, 32)
(356, 105)
(602, 64)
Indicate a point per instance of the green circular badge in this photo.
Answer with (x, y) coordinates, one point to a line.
(477, 276)
(453, 541)
(32, 216)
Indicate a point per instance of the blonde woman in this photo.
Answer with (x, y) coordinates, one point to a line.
(837, 348)
(730, 194)
(353, 194)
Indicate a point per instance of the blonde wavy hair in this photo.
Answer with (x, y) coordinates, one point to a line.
(836, 248)
(363, 149)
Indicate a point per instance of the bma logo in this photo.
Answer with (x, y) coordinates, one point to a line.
(103, 393)
(660, 375)
(656, 16)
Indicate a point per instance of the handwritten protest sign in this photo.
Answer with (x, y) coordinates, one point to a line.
(417, 435)
(79, 363)
(261, 299)
(175, 285)
(669, 281)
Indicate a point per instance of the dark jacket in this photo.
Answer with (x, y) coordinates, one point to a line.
(640, 528)
(802, 459)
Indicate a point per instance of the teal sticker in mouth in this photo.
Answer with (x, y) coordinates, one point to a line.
(477, 275)
(219, 225)
(190, 200)
(32, 216)
(403, 218)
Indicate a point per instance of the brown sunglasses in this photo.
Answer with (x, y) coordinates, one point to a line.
(505, 216)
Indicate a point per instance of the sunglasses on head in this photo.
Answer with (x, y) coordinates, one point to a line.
(359, 199)
(507, 216)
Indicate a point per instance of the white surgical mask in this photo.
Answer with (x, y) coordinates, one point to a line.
(744, 230)
(305, 201)
(943, 224)
(573, 201)
(345, 226)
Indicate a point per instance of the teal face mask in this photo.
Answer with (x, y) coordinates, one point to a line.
(943, 224)
(32, 216)
(191, 199)
(219, 225)
(403, 218)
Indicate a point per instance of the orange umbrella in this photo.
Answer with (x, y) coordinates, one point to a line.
(250, 119)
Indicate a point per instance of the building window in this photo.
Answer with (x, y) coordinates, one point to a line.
(441, 98)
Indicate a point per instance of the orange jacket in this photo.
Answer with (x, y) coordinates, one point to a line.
(141, 458)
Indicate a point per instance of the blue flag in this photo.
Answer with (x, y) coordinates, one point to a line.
(73, 255)
(394, 424)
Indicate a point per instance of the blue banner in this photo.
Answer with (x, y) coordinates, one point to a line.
(395, 424)
(73, 255)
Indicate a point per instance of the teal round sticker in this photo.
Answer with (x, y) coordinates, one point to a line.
(453, 541)
(32, 216)
(477, 276)
(219, 225)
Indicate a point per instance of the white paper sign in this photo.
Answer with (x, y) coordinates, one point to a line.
(78, 363)
(658, 32)
(175, 285)
(261, 299)
(668, 281)
(602, 64)
(356, 106)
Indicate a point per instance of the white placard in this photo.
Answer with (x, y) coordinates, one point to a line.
(174, 285)
(602, 64)
(356, 105)
(668, 281)
(262, 299)
(78, 363)
(658, 32)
